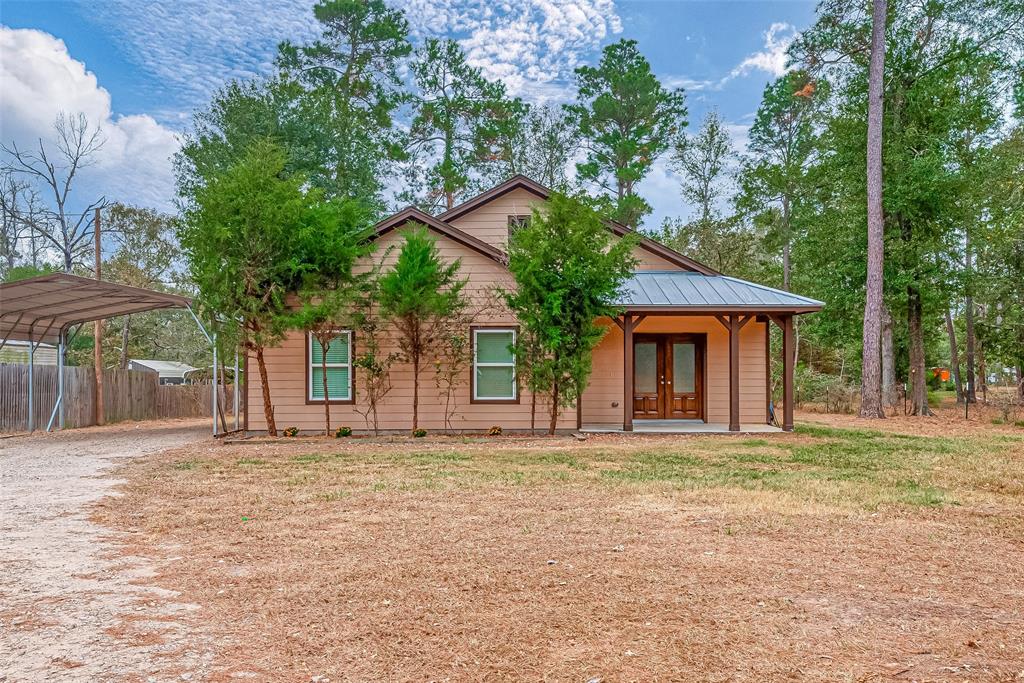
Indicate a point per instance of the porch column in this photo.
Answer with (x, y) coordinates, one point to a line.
(787, 373)
(734, 373)
(627, 372)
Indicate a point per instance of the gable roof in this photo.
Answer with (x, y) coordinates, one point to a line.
(667, 289)
(413, 215)
(521, 182)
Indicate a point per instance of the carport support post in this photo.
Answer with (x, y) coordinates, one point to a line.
(62, 349)
(31, 382)
(234, 381)
(214, 384)
(787, 373)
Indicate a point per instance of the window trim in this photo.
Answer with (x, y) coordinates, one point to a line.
(517, 221)
(473, 331)
(351, 371)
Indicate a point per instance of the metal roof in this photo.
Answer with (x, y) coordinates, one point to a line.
(165, 368)
(39, 308)
(662, 289)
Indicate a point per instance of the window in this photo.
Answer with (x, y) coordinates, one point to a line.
(339, 369)
(494, 365)
(516, 222)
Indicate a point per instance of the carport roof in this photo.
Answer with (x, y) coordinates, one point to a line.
(38, 308)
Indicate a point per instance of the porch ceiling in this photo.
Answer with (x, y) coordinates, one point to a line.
(682, 291)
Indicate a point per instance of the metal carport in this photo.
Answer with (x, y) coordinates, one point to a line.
(44, 309)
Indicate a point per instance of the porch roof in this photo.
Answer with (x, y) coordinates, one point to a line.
(664, 291)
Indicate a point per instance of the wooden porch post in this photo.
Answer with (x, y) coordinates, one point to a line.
(768, 371)
(787, 373)
(734, 373)
(627, 372)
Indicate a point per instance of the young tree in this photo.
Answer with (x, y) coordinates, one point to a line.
(702, 161)
(238, 236)
(627, 119)
(19, 213)
(350, 89)
(419, 295)
(459, 119)
(775, 178)
(333, 236)
(77, 142)
(568, 269)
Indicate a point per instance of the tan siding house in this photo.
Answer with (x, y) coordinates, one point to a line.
(689, 349)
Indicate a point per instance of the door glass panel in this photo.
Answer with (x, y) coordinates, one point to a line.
(646, 368)
(684, 368)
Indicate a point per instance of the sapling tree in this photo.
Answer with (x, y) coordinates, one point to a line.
(238, 235)
(333, 236)
(568, 270)
(419, 296)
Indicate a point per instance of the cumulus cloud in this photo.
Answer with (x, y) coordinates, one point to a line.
(39, 79)
(772, 59)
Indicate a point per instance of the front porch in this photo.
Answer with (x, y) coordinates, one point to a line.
(680, 427)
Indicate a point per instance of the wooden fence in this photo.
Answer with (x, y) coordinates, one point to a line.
(127, 395)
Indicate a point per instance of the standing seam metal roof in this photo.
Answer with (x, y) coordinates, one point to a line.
(686, 289)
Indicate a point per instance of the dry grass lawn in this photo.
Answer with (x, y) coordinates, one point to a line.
(836, 553)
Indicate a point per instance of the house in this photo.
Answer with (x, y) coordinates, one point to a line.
(169, 371)
(689, 351)
(16, 351)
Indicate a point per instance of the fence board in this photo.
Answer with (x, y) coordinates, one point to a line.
(127, 395)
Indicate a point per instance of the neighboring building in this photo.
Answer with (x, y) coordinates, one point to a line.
(170, 371)
(16, 351)
(690, 346)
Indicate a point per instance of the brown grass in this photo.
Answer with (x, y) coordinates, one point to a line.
(839, 555)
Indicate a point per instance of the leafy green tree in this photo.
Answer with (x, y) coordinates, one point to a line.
(333, 237)
(460, 118)
(782, 148)
(627, 119)
(703, 162)
(238, 237)
(419, 296)
(350, 89)
(540, 149)
(568, 269)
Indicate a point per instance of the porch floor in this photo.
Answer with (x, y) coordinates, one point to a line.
(680, 427)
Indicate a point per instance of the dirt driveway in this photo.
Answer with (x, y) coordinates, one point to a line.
(71, 607)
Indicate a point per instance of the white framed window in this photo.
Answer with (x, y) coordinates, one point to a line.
(494, 364)
(339, 368)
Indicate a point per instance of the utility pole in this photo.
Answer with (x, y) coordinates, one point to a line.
(97, 332)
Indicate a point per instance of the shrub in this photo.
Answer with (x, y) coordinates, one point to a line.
(419, 433)
(291, 431)
(342, 431)
(494, 431)
(830, 392)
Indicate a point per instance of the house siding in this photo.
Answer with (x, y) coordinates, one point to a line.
(286, 369)
(606, 382)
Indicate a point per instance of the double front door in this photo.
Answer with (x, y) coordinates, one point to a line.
(668, 376)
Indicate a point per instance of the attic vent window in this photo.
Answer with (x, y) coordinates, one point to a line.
(516, 222)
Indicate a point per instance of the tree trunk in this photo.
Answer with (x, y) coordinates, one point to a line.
(918, 380)
(125, 324)
(327, 398)
(871, 380)
(415, 390)
(888, 361)
(553, 424)
(982, 380)
(785, 244)
(268, 408)
(972, 392)
(954, 357)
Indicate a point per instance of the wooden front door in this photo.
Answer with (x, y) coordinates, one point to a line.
(668, 377)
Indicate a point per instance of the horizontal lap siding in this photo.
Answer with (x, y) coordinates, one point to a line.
(606, 383)
(287, 371)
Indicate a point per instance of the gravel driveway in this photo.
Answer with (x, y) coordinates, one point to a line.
(71, 607)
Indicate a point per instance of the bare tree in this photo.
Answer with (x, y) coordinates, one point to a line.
(871, 371)
(19, 208)
(76, 146)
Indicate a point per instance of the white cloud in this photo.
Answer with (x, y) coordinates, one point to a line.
(39, 79)
(772, 59)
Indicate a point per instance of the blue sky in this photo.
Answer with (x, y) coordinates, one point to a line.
(141, 68)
